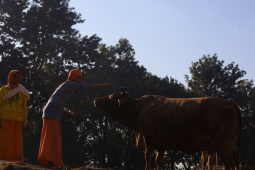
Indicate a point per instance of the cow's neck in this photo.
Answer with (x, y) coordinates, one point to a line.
(136, 113)
(130, 119)
(132, 115)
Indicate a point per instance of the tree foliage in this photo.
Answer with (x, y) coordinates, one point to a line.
(211, 78)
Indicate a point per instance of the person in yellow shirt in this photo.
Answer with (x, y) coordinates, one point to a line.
(13, 118)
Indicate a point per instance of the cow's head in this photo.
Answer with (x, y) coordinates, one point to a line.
(117, 105)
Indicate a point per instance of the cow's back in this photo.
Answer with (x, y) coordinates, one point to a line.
(191, 124)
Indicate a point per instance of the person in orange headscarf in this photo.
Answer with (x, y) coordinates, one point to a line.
(13, 118)
(51, 140)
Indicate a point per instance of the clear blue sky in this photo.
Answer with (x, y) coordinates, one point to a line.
(168, 35)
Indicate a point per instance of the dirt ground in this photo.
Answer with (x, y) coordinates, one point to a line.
(7, 165)
(222, 168)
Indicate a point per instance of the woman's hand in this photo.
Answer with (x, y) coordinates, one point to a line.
(96, 86)
(109, 85)
(68, 113)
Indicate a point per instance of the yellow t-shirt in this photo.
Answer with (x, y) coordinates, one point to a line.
(14, 108)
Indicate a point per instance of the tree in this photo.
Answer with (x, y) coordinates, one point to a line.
(11, 27)
(38, 39)
(211, 78)
(246, 101)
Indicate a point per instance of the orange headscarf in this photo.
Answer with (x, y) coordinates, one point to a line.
(73, 74)
(9, 80)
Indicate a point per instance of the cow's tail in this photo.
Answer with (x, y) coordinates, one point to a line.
(240, 130)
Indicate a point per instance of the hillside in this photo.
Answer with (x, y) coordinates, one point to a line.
(7, 165)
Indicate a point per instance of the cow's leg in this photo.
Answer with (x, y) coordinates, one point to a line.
(217, 159)
(229, 159)
(210, 161)
(204, 156)
(148, 153)
(139, 141)
(160, 158)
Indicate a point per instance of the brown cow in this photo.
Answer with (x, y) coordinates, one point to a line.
(186, 124)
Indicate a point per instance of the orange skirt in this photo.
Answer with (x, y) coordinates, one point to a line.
(51, 143)
(11, 141)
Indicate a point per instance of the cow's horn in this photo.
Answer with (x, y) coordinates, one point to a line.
(124, 90)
